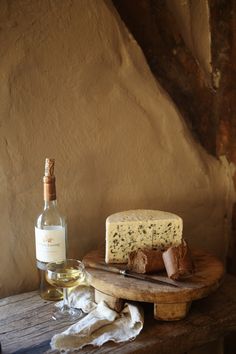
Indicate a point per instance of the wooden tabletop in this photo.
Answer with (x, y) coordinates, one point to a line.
(26, 325)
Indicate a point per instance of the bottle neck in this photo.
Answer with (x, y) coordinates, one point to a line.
(49, 189)
(50, 204)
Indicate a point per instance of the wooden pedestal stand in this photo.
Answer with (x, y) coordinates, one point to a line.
(170, 303)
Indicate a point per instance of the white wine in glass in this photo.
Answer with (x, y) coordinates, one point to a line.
(66, 274)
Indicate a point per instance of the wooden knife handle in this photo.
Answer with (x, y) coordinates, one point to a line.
(105, 267)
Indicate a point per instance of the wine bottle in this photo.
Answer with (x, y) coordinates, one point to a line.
(50, 234)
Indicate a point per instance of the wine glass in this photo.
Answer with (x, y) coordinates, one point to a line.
(66, 274)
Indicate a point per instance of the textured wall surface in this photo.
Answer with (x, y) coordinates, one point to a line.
(75, 86)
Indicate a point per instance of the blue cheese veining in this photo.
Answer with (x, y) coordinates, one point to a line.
(130, 230)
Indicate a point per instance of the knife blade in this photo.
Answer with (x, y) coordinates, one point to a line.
(127, 273)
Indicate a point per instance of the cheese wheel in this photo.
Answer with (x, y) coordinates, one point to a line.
(131, 230)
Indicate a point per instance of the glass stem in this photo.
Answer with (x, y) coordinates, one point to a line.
(65, 298)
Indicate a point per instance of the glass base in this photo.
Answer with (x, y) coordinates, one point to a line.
(67, 313)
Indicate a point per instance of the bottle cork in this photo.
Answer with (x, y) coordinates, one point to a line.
(49, 167)
(49, 180)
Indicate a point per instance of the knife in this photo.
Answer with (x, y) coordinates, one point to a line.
(130, 274)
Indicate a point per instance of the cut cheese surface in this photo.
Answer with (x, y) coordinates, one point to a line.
(130, 230)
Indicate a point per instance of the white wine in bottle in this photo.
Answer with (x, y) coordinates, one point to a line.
(50, 234)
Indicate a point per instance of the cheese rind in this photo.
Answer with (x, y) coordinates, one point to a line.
(131, 230)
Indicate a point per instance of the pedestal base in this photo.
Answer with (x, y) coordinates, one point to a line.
(171, 312)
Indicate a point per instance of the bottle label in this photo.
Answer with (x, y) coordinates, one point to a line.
(50, 244)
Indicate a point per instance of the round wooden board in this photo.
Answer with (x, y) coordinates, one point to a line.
(208, 275)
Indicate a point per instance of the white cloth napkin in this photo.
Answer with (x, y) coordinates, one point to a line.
(100, 325)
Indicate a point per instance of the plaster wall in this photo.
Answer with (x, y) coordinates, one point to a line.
(75, 86)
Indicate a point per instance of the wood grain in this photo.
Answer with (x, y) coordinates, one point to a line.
(26, 325)
(207, 278)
